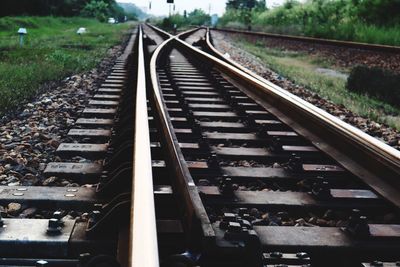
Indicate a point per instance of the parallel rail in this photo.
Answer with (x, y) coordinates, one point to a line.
(370, 151)
(143, 237)
(355, 45)
(203, 121)
(375, 163)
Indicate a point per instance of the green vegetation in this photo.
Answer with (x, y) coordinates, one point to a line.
(132, 10)
(301, 69)
(375, 82)
(52, 51)
(99, 9)
(196, 17)
(371, 21)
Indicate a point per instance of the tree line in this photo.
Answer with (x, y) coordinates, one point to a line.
(100, 9)
(362, 20)
(196, 17)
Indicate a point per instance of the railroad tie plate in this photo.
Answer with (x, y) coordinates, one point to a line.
(384, 231)
(106, 97)
(82, 171)
(202, 94)
(243, 152)
(232, 136)
(94, 122)
(218, 125)
(114, 91)
(116, 77)
(174, 110)
(197, 88)
(257, 112)
(99, 112)
(279, 199)
(259, 172)
(114, 80)
(112, 85)
(282, 133)
(103, 103)
(204, 100)
(386, 239)
(262, 154)
(323, 168)
(297, 149)
(299, 259)
(100, 134)
(83, 150)
(269, 122)
(76, 198)
(183, 131)
(215, 114)
(31, 237)
(209, 106)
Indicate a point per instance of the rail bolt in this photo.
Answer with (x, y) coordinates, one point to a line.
(54, 227)
(226, 187)
(94, 218)
(295, 163)
(196, 128)
(301, 255)
(251, 121)
(84, 258)
(41, 263)
(58, 215)
(226, 219)
(358, 226)
(262, 130)
(275, 254)
(243, 211)
(213, 161)
(321, 190)
(234, 227)
(376, 263)
(1, 221)
(203, 143)
(276, 145)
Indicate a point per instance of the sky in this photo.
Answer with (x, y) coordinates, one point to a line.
(160, 7)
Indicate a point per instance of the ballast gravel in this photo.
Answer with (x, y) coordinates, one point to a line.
(30, 136)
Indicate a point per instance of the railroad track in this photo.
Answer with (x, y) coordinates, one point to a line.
(331, 42)
(87, 224)
(266, 176)
(186, 159)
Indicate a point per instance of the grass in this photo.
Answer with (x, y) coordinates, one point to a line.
(300, 68)
(52, 51)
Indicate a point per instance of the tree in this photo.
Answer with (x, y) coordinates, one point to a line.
(97, 9)
(91, 8)
(198, 17)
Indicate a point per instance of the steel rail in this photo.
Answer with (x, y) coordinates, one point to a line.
(164, 34)
(355, 45)
(374, 162)
(195, 217)
(143, 246)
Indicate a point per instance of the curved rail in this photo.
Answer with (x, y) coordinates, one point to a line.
(196, 218)
(356, 45)
(161, 32)
(143, 233)
(375, 162)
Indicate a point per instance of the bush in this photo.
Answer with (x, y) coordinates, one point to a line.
(332, 19)
(375, 82)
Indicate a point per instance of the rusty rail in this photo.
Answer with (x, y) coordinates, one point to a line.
(355, 45)
(195, 219)
(375, 162)
(143, 233)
